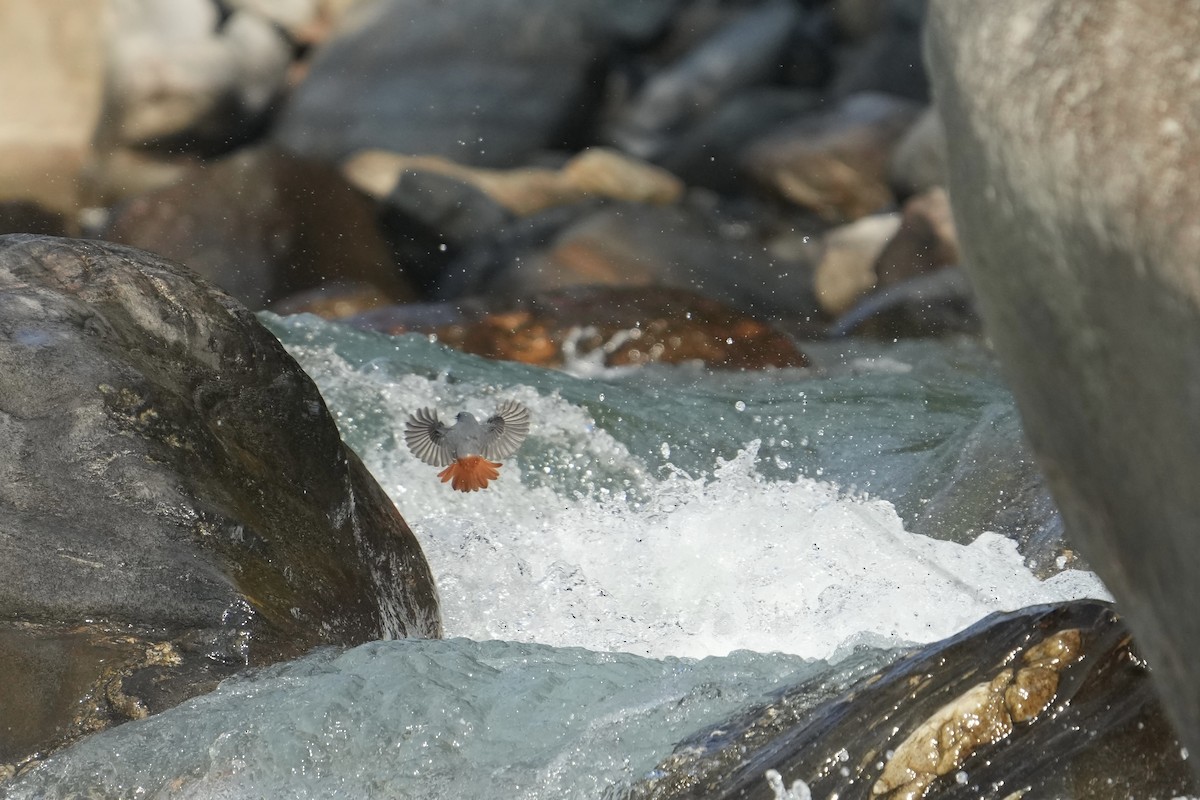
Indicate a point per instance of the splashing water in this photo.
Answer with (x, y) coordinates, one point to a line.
(668, 546)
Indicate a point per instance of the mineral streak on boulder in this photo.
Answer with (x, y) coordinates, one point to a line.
(175, 500)
(1049, 701)
(1075, 182)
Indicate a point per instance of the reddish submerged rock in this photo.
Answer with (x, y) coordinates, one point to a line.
(614, 326)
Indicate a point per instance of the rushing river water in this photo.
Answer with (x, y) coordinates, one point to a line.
(668, 546)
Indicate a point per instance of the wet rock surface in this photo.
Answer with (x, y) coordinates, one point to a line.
(1035, 703)
(1085, 260)
(542, 180)
(175, 502)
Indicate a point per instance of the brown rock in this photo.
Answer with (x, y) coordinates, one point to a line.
(601, 172)
(925, 241)
(331, 301)
(680, 246)
(262, 225)
(608, 325)
(835, 163)
(52, 66)
(846, 271)
(596, 172)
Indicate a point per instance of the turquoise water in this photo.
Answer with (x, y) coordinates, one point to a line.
(450, 719)
(668, 546)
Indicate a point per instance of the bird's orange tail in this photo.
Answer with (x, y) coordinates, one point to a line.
(470, 473)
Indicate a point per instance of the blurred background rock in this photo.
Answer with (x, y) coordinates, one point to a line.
(339, 156)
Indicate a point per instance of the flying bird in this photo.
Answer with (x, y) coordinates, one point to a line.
(467, 448)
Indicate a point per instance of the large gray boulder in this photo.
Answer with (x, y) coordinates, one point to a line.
(1075, 177)
(175, 500)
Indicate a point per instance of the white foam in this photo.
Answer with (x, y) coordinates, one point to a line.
(675, 564)
(708, 567)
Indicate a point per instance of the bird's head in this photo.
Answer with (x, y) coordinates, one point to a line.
(463, 416)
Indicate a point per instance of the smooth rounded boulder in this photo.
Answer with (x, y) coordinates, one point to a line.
(175, 500)
(1075, 178)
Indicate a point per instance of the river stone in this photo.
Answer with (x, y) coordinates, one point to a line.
(744, 53)
(175, 500)
(608, 325)
(481, 82)
(1075, 184)
(190, 72)
(686, 246)
(52, 65)
(834, 163)
(926, 240)
(263, 225)
(890, 59)
(846, 270)
(1049, 701)
(709, 153)
(594, 172)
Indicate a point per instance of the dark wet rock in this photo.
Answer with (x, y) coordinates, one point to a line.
(52, 64)
(890, 59)
(682, 246)
(931, 304)
(856, 20)
(456, 228)
(433, 219)
(175, 503)
(984, 478)
(710, 152)
(919, 160)
(466, 266)
(481, 82)
(835, 163)
(262, 225)
(603, 325)
(1074, 188)
(926, 240)
(23, 216)
(1049, 701)
(743, 53)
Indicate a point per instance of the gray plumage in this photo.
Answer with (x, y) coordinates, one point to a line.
(435, 443)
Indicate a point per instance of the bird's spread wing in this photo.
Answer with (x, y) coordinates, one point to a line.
(426, 437)
(506, 429)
